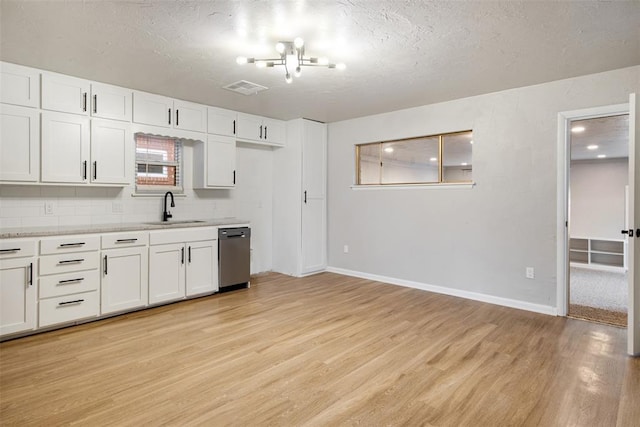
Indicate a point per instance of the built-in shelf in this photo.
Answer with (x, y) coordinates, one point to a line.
(597, 253)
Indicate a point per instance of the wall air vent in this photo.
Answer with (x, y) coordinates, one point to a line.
(245, 88)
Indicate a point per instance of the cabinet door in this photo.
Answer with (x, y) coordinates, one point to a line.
(20, 85)
(221, 161)
(249, 127)
(19, 144)
(274, 131)
(314, 178)
(221, 121)
(65, 94)
(65, 148)
(166, 272)
(17, 295)
(202, 267)
(110, 102)
(149, 109)
(111, 150)
(190, 116)
(125, 279)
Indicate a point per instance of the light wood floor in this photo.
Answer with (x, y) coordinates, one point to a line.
(323, 350)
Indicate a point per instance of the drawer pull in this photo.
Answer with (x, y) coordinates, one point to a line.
(126, 240)
(4, 251)
(78, 301)
(71, 261)
(66, 282)
(70, 245)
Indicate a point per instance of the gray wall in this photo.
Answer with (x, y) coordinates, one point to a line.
(597, 202)
(479, 239)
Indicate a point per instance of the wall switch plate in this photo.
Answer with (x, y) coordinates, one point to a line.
(48, 208)
(530, 273)
(345, 249)
(116, 207)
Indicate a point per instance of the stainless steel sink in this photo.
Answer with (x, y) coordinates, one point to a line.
(191, 221)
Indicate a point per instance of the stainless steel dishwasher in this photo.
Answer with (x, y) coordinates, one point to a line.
(234, 256)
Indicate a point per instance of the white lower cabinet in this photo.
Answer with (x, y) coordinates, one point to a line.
(18, 293)
(166, 273)
(182, 263)
(69, 285)
(124, 283)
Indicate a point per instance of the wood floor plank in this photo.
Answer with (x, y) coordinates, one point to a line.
(322, 350)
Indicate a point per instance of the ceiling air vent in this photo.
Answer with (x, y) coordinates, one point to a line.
(244, 87)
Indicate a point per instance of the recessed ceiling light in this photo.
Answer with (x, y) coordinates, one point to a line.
(388, 150)
(433, 159)
(602, 156)
(577, 129)
(471, 142)
(592, 147)
(465, 164)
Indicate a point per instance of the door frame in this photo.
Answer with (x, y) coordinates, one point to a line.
(562, 225)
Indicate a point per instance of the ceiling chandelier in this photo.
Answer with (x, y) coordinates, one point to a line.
(291, 57)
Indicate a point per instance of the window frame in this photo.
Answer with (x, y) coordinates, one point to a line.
(147, 189)
(439, 183)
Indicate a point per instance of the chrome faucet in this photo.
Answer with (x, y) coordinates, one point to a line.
(166, 214)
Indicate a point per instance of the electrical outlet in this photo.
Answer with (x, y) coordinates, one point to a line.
(530, 273)
(48, 208)
(116, 207)
(345, 249)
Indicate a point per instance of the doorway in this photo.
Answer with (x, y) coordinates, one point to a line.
(597, 204)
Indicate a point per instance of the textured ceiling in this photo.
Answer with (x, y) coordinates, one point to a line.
(609, 134)
(399, 54)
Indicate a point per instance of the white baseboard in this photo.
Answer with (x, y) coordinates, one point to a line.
(505, 302)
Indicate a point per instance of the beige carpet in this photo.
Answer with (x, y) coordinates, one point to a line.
(600, 315)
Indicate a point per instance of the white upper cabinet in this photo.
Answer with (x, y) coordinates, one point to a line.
(274, 131)
(111, 152)
(65, 148)
(260, 129)
(190, 116)
(150, 109)
(19, 85)
(156, 110)
(65, 94)
(19, 144)
(110, 102)
(221, 121)
(214, 163)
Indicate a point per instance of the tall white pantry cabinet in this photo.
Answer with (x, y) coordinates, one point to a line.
(300, 200)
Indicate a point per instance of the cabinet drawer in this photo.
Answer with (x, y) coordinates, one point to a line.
(124, 240)
(69, 283)
(68, 308)
(67, 263)
(67, 244)
(17, 248)
(189, 234)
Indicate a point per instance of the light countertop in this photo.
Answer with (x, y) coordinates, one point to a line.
(18, 232)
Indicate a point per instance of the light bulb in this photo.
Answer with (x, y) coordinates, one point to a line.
(287, 78)
(280, 47)
(298, 71)
(241, 60)
(323, 61)
(261, 64)
(341, 66)
(298, 42)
